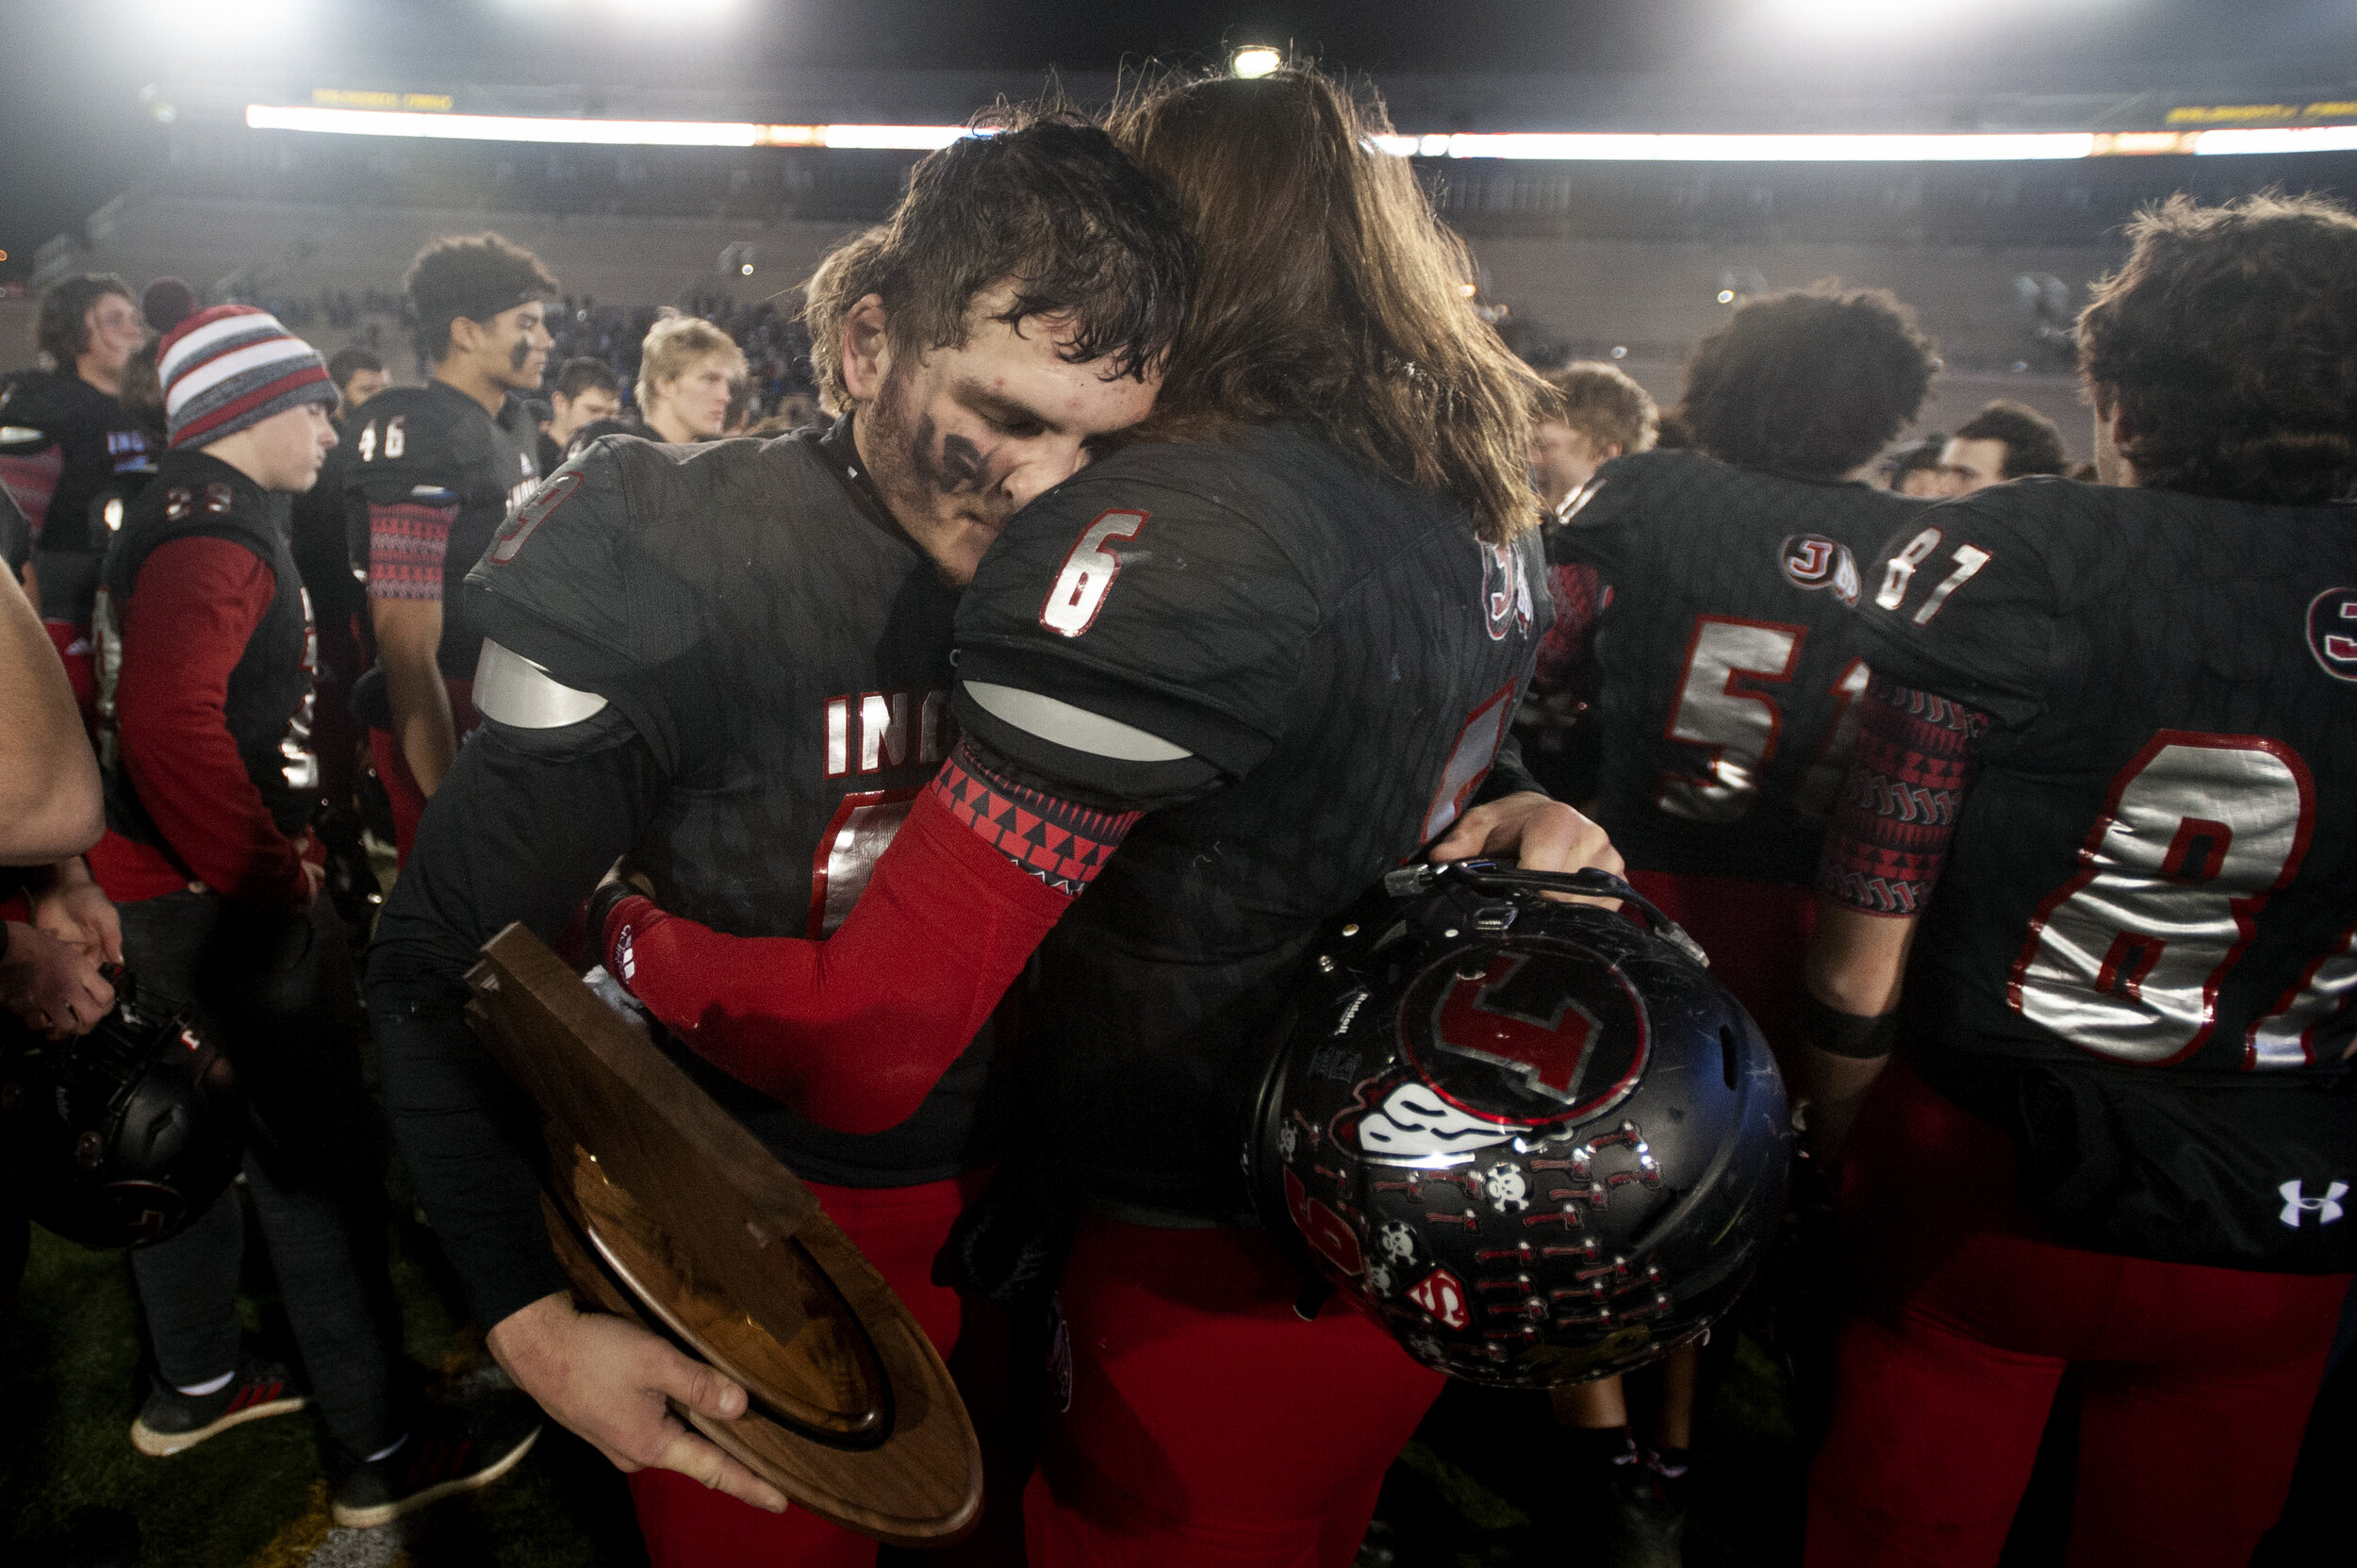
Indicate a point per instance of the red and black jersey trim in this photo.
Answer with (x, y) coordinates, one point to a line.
(1889, 840)
(1061, 843)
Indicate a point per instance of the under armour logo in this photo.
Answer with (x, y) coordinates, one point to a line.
(2327, 1209)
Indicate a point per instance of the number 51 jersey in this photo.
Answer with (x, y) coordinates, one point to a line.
(2157, 863)
(1728, 659)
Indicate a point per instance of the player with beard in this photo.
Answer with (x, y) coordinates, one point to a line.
(729, 663)
(2095, 873)
(67, 446)
(1222, 680)
(433, 470)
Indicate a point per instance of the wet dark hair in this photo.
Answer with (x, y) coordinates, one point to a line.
(2033, 444)
(348, 361)
(1047, 201)
(1811, 381)
(59, 328)
(474, 275)
(2227, 347)
(1915, 458)
(582, 371)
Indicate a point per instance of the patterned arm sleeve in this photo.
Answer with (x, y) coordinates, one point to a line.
(1888, 839)
(407, 541)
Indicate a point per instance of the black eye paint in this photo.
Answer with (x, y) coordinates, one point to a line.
(956, 465)
(963, 459)
(521, 351)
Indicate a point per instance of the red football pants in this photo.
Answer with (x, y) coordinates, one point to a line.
(2195, 1382)
(901, 1230)
(400, 786)
(1209, 1426)
(1757, 935)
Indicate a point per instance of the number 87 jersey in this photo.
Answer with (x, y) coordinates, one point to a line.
(2156, 861)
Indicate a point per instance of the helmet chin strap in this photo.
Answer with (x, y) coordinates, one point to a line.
(1492, 876)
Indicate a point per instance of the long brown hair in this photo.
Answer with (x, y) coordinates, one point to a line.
(1329, 293)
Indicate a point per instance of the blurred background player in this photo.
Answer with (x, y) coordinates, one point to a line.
(585, 390)
(2095, 876)
(323, 539)
(2004, 441)
(1589, 413)
(436, 467)
(206, 699)
(68, 445)
(1727, 676)
(688, 374)
(1913, 470)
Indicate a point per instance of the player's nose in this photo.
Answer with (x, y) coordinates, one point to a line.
(1038, 472)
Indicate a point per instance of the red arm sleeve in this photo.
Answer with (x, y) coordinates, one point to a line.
(854, 1031)
(1567, 654)
(180, 640)
(1887, 842)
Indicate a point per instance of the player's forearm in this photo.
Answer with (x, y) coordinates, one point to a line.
(1855, 969)
(525, 838)
(421, 717)
(50, 802)
(854, 1031)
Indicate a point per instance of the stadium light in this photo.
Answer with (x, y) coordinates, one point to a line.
(1546, 146)
(1254, 61)
(605, 133)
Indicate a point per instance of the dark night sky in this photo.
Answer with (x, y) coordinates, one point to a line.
(71, 132)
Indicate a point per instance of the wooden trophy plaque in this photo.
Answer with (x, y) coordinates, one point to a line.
(665, 1209)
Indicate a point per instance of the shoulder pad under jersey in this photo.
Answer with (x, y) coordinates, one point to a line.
(1169, 591)
(623, 551)
(426, 444)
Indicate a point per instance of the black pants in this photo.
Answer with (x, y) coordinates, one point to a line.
(277, 988)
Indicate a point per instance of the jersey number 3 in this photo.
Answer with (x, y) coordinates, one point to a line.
(1088, 573)
(2125, 958)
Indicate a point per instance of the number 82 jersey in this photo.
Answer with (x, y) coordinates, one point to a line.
(2157, 863)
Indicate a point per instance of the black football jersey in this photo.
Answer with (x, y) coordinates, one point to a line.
(1302, 669)
(104, 454)
(785, 650)
(322, 537)
(435, 446)
(1728, 664)
(2156, 862)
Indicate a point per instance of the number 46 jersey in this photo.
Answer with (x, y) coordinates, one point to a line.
(1728, 660)
(2156, 862)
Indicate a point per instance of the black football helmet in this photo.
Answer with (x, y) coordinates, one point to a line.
(123, 1136)
(1536, 1141)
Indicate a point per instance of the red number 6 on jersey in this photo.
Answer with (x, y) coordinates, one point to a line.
(1088, 572)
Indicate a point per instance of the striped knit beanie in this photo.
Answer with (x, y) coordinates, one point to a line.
(234, 366)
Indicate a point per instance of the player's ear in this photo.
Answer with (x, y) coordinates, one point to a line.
(867, 348)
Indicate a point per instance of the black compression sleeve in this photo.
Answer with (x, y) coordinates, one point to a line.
(510, 836)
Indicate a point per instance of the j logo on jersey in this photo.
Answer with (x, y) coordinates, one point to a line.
(1510, 1026)
(1814, 561)
(2332, 631)
(1505, 591)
